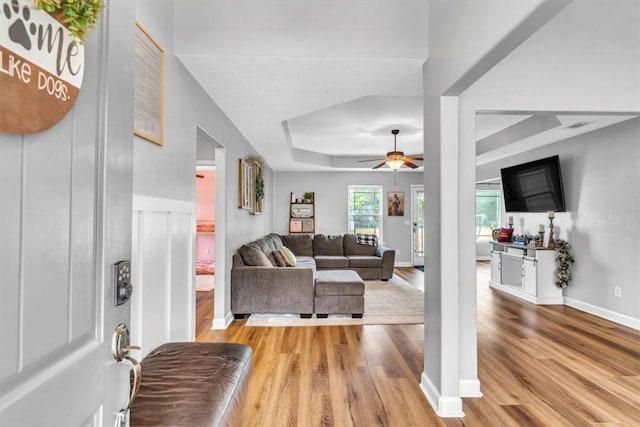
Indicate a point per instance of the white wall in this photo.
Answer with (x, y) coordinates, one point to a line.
(331, 191)
(601, 176)
(167, 174)
(586, 59)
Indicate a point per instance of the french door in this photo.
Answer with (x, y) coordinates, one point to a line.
(417, 221)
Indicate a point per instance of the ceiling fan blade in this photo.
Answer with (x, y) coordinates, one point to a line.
(372, 160)
(411, 165)
(380, 165)
(414, 158)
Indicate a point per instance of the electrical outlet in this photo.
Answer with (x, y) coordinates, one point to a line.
(617, 291)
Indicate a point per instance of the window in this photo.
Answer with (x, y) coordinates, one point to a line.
(487, 213)
(365, 209)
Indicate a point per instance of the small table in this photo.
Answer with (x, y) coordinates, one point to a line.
(339, 292)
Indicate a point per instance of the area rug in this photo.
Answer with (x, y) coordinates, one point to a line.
(204, 282)
(392, 302)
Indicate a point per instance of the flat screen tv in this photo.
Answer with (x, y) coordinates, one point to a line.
(534, 186)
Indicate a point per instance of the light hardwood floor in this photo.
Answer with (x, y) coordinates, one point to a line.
(538, 366)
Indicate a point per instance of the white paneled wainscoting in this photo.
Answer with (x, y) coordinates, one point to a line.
(163, 277)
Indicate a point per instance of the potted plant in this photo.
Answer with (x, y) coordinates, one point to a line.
(78, 16)
(308, 197)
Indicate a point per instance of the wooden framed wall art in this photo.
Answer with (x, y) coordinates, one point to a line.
(246, 190)
(148, 121)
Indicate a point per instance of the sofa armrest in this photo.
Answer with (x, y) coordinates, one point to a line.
(271, 290)
(388, 256)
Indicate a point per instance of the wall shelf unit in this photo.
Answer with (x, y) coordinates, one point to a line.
(526, 272)
(302, 215)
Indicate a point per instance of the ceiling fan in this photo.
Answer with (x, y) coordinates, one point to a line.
(395, 159)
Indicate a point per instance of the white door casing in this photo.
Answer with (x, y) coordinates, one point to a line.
(65, 219)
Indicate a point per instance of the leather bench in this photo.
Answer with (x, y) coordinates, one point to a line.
(338, 292)
(193, 384)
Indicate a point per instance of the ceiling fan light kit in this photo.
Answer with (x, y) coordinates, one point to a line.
(396, 159)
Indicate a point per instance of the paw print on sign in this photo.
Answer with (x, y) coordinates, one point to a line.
(18, 31)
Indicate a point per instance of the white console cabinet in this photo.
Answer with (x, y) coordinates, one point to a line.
(525, 271)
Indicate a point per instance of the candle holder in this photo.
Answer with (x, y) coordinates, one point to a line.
(551, 244)
(540, 241)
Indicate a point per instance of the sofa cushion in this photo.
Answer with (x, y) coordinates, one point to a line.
(276, 241)
(280, 261)
(365, 261)
(252, 255)
(306, 261)
(288, 256)
(352, 247)
(300, 244)
(328, 261)
(265, 244)
(327, 245)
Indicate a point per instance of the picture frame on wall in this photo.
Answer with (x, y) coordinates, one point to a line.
(148, 111)
(395, 203)
(245, 186)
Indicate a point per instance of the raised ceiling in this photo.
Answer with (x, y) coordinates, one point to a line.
(319, 84)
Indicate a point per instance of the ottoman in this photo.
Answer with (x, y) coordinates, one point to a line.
(339, 292)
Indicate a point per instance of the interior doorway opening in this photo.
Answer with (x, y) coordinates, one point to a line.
(209, 228)
(205, 228)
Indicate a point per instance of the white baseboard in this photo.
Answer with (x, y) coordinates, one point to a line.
(483, 258)
(622, 319)
(470, 388)
(222, 323)
(402, 264)
(445, 407)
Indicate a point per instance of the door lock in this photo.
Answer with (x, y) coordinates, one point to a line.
(122, 287)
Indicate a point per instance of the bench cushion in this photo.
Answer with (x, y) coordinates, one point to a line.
(365, 261)
(326, 261)
(193, 384)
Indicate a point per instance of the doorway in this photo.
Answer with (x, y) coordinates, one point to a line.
(417, 221)
(210, 254)
(205, 228)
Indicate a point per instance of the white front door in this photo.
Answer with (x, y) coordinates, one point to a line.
(65, 218)
(417, 223)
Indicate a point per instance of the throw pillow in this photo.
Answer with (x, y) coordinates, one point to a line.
(505, 234)
(252, 255)
(367, 239)
(289, 257)
(280, 261)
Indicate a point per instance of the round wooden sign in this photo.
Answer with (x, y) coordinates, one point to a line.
(41, 68)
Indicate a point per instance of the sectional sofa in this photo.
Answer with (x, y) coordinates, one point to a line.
(260, 285)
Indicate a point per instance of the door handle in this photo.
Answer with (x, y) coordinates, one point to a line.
(120, 348)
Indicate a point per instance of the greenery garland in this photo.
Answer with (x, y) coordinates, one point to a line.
(78, 16)
(259, 188)
(563, 263)
(257, 161)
